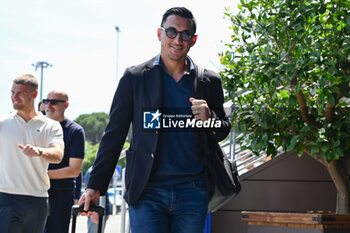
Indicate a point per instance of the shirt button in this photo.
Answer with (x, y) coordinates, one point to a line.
(152, 155)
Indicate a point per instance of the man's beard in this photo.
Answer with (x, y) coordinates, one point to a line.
(18, 105)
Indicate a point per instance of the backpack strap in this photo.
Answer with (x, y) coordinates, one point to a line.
(199, 81)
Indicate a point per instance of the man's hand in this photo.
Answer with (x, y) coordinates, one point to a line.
(89, 197)
(94, 218)
(200, 109)
(52, 154)
(29, 150)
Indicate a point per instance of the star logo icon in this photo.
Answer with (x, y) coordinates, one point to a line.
(155, 115)
(151, 119)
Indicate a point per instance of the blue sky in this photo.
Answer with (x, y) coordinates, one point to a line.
(78, 38)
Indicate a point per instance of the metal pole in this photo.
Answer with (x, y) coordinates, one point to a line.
(102, 201)
(232, 136)
(42, 65)
(41, 81)
(115, 208)
(123, 205)
(117, 54)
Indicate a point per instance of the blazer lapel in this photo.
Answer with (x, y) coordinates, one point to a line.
(154, 84)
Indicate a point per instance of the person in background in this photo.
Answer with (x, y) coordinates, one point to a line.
(41, 107)
(62, 175)
(77, 188)
(28, 143)
(169, 175)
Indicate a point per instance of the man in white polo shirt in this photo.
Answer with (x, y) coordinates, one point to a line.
(29, 141)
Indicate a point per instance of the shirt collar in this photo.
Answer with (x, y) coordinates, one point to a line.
(39, 117)
(157, 62)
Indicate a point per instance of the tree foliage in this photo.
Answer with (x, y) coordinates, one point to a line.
(90, 156)
(94, 125)
(287, 72)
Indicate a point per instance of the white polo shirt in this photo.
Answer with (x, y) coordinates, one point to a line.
(20, 174)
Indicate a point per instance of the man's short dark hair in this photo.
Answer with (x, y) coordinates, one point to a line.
(27, 79)
(180, 11)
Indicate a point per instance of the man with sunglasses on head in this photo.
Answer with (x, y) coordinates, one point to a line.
(29, 141)
(167, 175)
(62, 175)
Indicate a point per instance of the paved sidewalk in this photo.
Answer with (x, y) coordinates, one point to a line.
(113, 224)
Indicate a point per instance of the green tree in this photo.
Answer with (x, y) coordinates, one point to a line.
(94, 125)
(90, 156)
(287, 72)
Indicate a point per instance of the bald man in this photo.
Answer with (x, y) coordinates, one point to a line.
(62, 176)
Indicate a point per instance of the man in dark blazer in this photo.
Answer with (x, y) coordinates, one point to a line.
(168, 173)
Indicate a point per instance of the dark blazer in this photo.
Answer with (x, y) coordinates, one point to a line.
(142, 87)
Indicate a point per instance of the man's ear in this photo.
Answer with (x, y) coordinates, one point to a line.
(159, 31)
(67, 104)
(194, 39)
(35, 93)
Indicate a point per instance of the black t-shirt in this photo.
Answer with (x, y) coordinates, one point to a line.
(74, 147)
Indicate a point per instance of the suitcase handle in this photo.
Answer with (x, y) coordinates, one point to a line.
(80, 208)
(77, 209)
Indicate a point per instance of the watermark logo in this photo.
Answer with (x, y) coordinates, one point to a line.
(152, 119)
(176, 119)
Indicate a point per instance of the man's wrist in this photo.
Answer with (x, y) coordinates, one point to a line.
(40, 152)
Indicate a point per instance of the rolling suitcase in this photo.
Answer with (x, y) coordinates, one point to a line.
(77, 209)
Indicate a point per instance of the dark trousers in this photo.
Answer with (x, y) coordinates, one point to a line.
(60, 212)
(22, 214)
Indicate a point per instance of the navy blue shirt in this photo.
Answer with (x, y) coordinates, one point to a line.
(74, 147)
(178, 158)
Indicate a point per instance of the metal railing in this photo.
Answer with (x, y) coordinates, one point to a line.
(245, 159)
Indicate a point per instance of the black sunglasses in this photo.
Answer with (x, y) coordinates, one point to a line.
(53, 101)
(172, 33)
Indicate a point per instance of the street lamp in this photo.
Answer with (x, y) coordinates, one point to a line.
(117, 52)
(42, 65)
